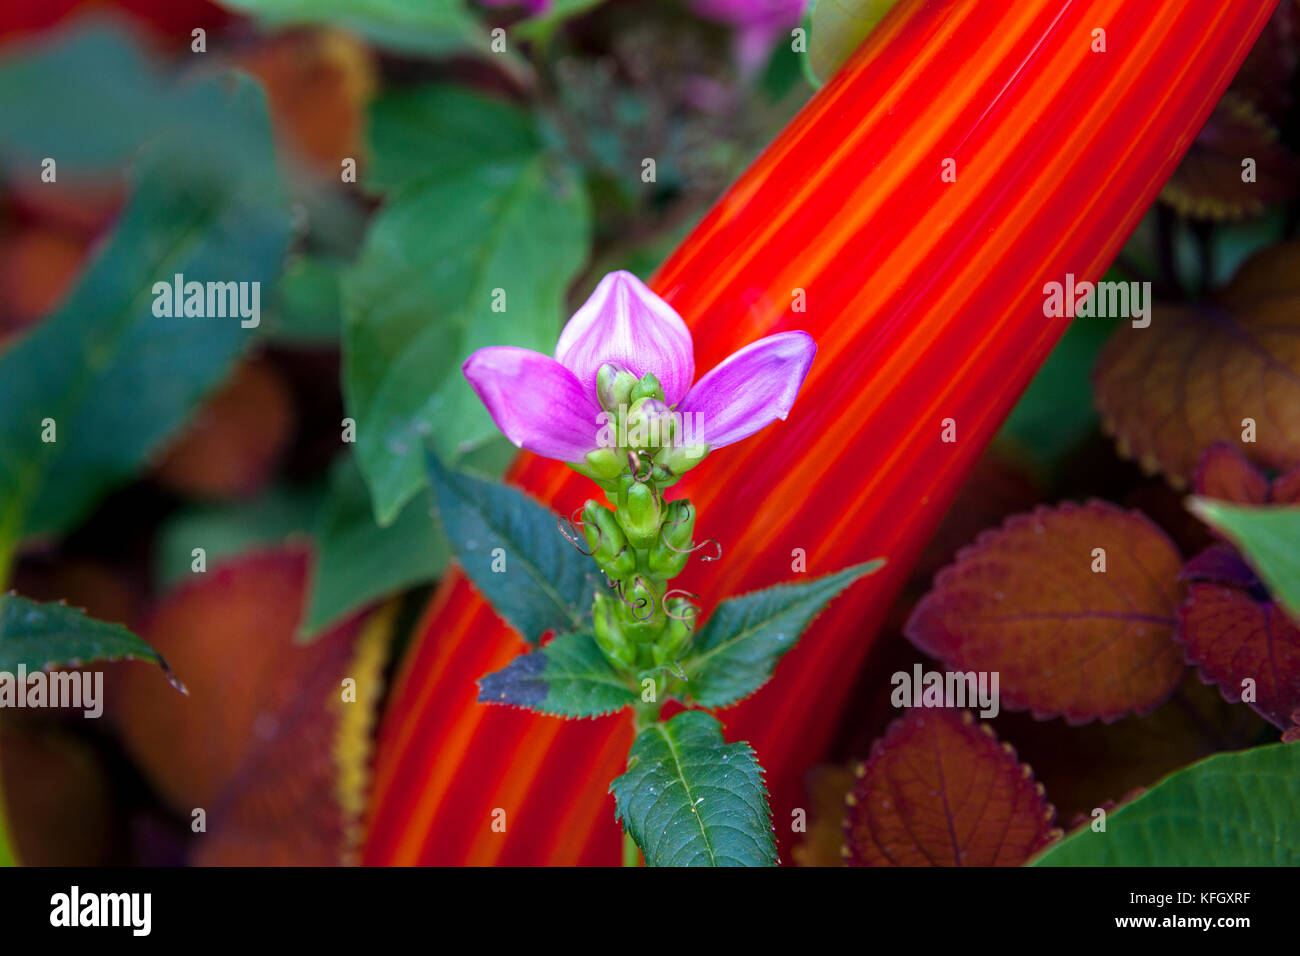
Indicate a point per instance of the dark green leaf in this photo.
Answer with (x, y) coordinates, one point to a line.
(546, 583)
(306, 310)
(1268, 536)
(743, 639)
(405, 26)
(420, 300)
(39, 636)
(435, 131)
(569, 677)
(689, 798)
(357, 561)
(115, 378)
(1228, 810)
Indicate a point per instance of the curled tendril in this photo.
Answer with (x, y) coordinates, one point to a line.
(645, 602)
(569, 527)
(703, 544)
(689, 613)
(634, 460)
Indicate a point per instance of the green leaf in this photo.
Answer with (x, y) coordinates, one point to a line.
(1228, 810)
(1268, 537)
(569, 677)
(739, 645)
(420, 300)
(50, 104)
(357, 561)
(116, 379)
(689, 798)
(546, 583)
(837, 28)
(306, 308)
(433, 27)
(39, 636)
(1056, 412)
(430, 132)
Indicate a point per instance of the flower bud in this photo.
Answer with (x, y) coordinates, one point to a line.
(679, 459)
(605, 464)
(676, 639)
(609, 635)
(648, 387)
(638, 513)
(671, 549)
(614, 386)
(649, 424)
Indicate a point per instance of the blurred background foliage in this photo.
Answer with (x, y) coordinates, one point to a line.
(478, 169)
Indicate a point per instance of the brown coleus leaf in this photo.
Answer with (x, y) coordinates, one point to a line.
(1238, 637)
(265, 743)
(1208, 183)
(1225, 369)
(1227, 474)
(1031, 602)
(231, 446)
(939, 790)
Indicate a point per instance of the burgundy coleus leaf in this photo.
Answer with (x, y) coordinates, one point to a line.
(1225, 369)
(1238, 637)
(1073, 607)
(1224, 472)
(271, 743)
(1209, 184)
(939, 790)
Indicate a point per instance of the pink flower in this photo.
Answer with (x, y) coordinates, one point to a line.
(550, 405)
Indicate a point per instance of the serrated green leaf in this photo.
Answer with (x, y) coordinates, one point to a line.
(569, 677)
(837, 28)
(434, 131)
(38, 636)
(689, 798)
(114, 378)
(1269, 538)
(420, 299)
(547, 584)
(1228, 810)
(739, 645)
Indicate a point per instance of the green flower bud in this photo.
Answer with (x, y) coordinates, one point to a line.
(614, 385)
(609, 635)
(648, 387)
(679, 459)
(676, 640)
(670, 552)
(604, 464)
(638, 513)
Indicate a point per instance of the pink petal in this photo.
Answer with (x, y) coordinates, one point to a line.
(750, 389)
(536, 402)
(626, 323)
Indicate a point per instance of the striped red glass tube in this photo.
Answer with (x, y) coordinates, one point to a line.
(925, 298)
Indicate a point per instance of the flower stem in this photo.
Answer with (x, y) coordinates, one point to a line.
(631, 852)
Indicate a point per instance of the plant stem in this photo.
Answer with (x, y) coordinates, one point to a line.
(631, 852)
